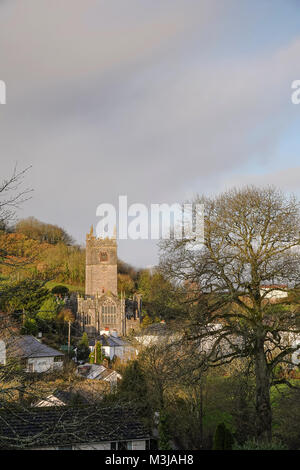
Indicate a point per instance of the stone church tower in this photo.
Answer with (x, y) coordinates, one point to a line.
(101, 308)
(101, 265)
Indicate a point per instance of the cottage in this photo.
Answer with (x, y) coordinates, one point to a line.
(73, 428)
(113, 346)
(35, 356)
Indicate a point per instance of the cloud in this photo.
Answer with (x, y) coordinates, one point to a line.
(156, 100)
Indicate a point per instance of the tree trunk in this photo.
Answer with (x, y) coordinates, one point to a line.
(263, 405)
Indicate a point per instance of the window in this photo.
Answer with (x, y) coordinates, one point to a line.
(123, 445)
(103, 256)
(58, 359)
(109, 314)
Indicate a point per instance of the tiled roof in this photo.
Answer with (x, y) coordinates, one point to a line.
(28, 346)
(61, 426)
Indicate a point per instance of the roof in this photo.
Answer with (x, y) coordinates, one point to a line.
(28, 346)
(274, 286)
(95, 371)
(64, 397)
(61, 426)
(156, 329)
(108, 340)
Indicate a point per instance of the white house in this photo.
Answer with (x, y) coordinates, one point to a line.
(35, 356)
(112, 345)
(274, 292)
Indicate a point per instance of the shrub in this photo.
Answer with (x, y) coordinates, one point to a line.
(223, 438)
(254, 445)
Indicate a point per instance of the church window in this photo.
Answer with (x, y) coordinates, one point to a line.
(109, 316)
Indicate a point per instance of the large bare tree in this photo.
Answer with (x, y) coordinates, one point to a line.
(251, 239)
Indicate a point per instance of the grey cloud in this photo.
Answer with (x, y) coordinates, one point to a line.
(136, 98)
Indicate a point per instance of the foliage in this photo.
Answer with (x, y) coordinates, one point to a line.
(60, 290)
(125, 285)
(160, 297)
(99, 354)
(49, 310)
(255, 445)
(27, 295)
(42, 232)
(223, 438)
(164, 436)
(250, 238)
(83, 350)
(29, 327)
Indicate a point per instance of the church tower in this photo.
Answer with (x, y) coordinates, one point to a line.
(101, 265)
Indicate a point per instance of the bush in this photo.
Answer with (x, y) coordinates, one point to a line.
(60, 290)
(223, 439)
(254, 445)
(29, 327)
(83, 350)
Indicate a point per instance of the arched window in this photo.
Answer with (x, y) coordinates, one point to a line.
(109, 315)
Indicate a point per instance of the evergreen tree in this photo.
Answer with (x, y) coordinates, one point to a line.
(223, 438)
(99, 354)
(29, 327)
(27, 295)
(164, 432)
(83, 350)
(49, 309)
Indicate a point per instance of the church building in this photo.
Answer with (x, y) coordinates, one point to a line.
(101, 308)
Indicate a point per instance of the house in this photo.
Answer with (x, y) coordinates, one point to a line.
(61, 398)
(274, 292)
(34, 355)
(155, 334)
(73, 428)
(113, 346)
(99, 372)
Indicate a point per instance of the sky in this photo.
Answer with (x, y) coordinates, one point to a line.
(156, 100)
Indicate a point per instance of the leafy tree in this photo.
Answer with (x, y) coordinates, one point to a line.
(133, 388)
(125, 284)
(60, 290)
(160, 296)
(29, 327)
(27, 295)
(43, 232)
(49, 310)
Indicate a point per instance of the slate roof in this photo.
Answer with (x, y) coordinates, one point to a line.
(61, 426)
(108, 340)
(28, 346)
(156, 329)
(66, 397)
(95, 371)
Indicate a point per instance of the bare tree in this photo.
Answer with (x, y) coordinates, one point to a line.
(12, 195)
(251, 239)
